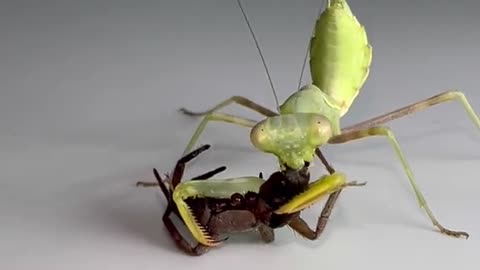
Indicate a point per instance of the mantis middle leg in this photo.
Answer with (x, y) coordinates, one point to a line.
(212, 115)
(386, 132)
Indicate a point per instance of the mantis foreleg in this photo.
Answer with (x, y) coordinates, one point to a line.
(384, 131)
(316, 190)
(180, 241)
(416, 107)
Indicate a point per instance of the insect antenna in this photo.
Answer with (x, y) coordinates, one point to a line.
(327, 3)
(261, 54)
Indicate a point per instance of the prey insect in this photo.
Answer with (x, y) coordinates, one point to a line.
(340, 56)
(214, 208)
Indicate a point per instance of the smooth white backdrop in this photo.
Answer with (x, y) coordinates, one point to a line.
(89, 93)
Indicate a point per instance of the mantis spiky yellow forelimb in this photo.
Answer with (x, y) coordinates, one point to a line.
(224, 188)
(340, 58)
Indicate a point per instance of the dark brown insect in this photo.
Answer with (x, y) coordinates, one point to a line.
(240, 213)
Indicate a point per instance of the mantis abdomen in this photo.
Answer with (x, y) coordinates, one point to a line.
(340, 55)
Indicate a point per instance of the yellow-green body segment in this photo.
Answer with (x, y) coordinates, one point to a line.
(340, 58)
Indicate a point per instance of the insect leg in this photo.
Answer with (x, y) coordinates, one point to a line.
(331, 201)
(235, 99)
(210, 174)
(386, 132)
(300, 226)
(266, 233)
(322, 158)
(172, 206)
(316, 190)
(416, 107)
(179, 169)
(221, 117)
(180, 241)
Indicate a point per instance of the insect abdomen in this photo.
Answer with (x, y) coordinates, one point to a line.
(340, 55)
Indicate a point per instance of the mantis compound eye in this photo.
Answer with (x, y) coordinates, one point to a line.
(260, 137)
(320, 130)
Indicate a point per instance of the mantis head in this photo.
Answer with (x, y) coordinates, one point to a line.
(292, 138)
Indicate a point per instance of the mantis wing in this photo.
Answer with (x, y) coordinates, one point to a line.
(340, 55)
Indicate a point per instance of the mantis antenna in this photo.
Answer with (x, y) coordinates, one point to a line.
(261, 54)
(308, 44)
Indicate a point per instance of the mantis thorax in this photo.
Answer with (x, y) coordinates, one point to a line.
(307, 120)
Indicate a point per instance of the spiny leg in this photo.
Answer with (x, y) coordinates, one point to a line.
(386, 132)
(222, 117)
(316, 190)
(179, 240)
(416, 107)
(235, 99)
(171, 228)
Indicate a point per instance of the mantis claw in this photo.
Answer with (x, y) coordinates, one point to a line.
(456, 234)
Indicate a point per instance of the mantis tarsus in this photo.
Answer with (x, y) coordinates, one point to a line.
(340, 59)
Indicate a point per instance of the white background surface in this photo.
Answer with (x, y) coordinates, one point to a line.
(88, 105)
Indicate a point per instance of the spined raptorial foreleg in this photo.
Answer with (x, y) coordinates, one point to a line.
(316, 190)
(179, 240)
(416, 107)
(386, 132)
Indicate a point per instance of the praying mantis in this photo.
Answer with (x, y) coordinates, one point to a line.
(340, 57)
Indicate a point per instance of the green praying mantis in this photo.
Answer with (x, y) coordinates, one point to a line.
(340, 57)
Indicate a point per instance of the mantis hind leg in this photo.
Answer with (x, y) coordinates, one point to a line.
(386, 132)
(245, 102)
(416, 107)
